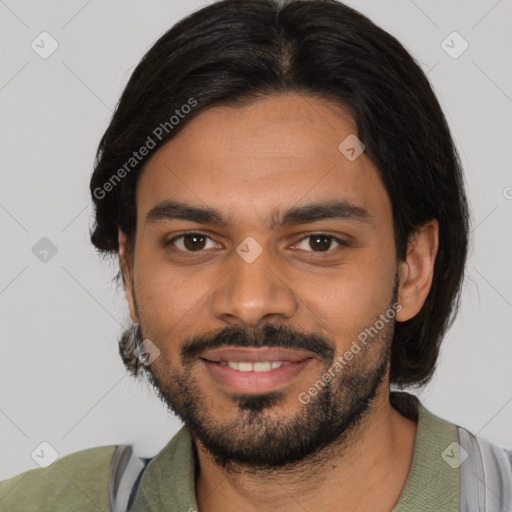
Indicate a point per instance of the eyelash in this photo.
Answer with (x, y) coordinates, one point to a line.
(169, 243)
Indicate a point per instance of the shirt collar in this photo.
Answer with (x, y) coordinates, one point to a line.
(168, 482)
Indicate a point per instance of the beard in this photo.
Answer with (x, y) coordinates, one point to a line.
(260, 439)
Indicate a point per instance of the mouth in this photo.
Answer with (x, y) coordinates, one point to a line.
(253, 370)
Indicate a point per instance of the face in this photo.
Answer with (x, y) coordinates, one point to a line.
(253, 299)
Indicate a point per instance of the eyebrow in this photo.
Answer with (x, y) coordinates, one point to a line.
(335, 209)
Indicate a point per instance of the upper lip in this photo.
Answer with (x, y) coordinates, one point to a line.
(252, 355)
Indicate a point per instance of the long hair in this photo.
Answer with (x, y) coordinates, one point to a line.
(236, 51)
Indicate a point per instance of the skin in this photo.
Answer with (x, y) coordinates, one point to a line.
(251, 162)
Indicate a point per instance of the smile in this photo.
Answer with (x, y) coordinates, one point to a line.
(258, 366)
(257, 376)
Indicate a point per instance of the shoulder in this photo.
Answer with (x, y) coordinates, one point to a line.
(485, 472)
(478, 471)
(78, 481)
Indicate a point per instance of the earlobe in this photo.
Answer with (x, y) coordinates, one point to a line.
(125, 272)
(417, 271)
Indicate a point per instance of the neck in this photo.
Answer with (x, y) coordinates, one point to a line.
(367, 471)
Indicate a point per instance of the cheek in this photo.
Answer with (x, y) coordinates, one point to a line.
(166, 305)
(166, 292)
(169, 302)
(351, 296)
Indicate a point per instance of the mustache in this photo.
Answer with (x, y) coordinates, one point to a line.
(269, 336)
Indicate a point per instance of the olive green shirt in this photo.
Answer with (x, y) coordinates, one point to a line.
(79, 481)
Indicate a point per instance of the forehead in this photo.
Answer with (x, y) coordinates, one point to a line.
(259, 158)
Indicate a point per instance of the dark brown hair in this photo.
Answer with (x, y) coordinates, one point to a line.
(235, 51)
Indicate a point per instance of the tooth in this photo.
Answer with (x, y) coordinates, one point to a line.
(261, 366)
(258, 366)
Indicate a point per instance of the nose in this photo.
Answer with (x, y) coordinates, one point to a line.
(252, 292)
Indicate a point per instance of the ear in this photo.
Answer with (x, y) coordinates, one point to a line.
(125, 272)
(417, 271)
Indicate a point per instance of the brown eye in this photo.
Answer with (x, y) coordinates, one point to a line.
(320, 242)
(193, 242)
(189, 242)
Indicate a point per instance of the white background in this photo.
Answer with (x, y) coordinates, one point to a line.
(62, 380)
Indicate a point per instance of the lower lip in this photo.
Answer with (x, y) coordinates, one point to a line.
(255, 382)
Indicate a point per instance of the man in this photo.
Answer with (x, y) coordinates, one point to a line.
(283, 194)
